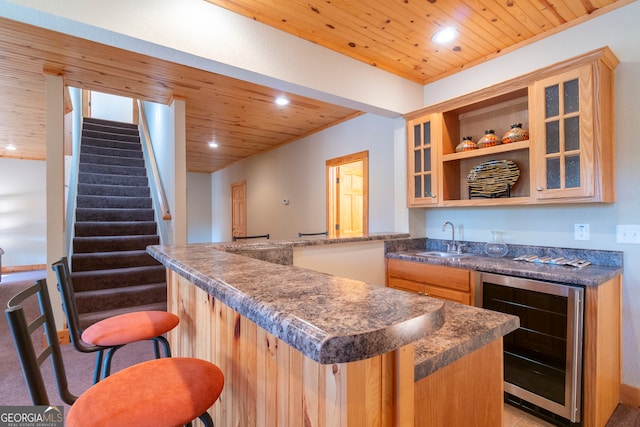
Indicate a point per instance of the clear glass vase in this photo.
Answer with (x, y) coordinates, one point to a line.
(496, 247)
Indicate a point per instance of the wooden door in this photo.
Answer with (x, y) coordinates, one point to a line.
(239, 209)
(351, 182)
(348, 195)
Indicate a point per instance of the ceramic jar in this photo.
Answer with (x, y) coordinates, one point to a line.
(467, 144)
(488, 140)
(515, 134)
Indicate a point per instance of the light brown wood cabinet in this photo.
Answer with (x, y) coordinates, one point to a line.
(569, 156)
(449, 283)
(422, 154)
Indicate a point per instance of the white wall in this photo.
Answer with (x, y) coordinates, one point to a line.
(199, 227)
(111, 107)
(554, 225)
(298, 172)
(23, 212)
(359, 261)
(161, 129)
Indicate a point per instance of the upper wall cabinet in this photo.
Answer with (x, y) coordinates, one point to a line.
(422, 156)
(568, 157)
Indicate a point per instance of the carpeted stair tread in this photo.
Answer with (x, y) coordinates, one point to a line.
(108, 179)
(111, 260)
(130, 296)
(112, 169)
(133, 153)
(113, 202)
(94, 244)
(110, 143)
(88, 319)
(113, 190)
(89, 214)
(117, 277)
(94, 121)
(116, 136)
(99, 159)
(115, 228)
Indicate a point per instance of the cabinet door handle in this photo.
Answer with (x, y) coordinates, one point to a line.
(538, 188)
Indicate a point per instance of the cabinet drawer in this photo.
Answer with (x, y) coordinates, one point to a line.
(449, 277)
(448, 294)
(406, 285)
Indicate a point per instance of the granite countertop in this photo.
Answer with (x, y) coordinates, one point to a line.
(605, 264)
(465, 330)
(327, 318)
(251, 244)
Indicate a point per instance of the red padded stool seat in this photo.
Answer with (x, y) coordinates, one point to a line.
(130, 327)
(160, 392)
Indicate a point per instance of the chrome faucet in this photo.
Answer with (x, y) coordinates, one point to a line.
(453, 246)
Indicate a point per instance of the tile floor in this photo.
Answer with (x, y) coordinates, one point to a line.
(514, 417)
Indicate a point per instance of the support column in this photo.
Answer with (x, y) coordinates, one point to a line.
(54, 120)
(178, 106)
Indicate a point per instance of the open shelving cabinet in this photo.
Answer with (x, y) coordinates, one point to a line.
(584, 173)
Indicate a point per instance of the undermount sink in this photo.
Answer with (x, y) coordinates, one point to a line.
(438, 254)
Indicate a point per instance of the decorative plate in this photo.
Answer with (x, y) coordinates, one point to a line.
(493, 178)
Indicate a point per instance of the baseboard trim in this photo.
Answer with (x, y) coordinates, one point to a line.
(22, 268)
(629, 395)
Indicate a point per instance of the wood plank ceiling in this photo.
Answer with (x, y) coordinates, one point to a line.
(241, 117)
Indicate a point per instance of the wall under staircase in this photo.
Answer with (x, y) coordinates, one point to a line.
(115, 222)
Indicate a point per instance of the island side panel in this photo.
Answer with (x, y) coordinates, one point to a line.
(466, 392)
(269, 383)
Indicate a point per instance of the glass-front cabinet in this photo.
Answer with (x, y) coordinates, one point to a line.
(563, 113)
(422, 161)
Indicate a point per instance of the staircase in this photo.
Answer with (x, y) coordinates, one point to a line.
(111, 271)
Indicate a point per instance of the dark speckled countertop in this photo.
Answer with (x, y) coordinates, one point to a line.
(605, 264)
(327, 318)
(333, 319)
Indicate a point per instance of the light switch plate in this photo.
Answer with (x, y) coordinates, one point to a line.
(628, 234)
(581, 231)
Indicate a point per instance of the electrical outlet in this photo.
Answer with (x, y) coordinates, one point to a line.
(628, 234)
(581, 231)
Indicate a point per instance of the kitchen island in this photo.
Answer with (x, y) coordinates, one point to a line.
(299, 347)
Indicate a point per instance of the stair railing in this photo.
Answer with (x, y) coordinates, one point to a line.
(150, 160)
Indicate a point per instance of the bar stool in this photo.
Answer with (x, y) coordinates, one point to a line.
(110, 334)
(161, 392)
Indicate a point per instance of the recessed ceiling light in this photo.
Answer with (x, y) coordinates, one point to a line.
(11, 147)
(281, 100)
(213, 144)
(445, 35)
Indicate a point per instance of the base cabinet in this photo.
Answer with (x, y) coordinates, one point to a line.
(602, 353)
(449, 283)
